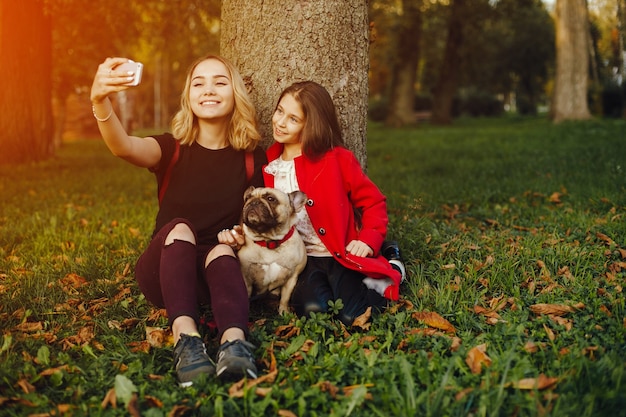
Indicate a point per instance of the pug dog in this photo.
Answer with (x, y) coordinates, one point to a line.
(273, 254)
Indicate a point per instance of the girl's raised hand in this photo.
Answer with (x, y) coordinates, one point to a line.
(109, 80)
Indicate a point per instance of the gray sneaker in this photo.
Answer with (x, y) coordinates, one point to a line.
(235, 361)
(191, 360)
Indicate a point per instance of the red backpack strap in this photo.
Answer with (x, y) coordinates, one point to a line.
(249, 165)
(168, 171)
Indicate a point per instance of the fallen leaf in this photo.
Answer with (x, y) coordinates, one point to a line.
(486, 312)
(29, 326)
(326, 386)
(238, 389)
(555, 309)
(26, 386)
(567, 323)
(605, 239)
(550, 333)
(179, 411)
(158, 337)
(532, 347)
(555, 197)
(433, 319)
(461, 394)
(109, 399)
(363, 321)
(50, 371)
(403, 302)
(286, 331)
(456, 344)
(142, 346)
(73, 281)
(133, 407)
(153, 402)
(286, 413)
(477, 358)
(540, 383)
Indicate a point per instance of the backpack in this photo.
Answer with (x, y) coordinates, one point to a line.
(168, 171)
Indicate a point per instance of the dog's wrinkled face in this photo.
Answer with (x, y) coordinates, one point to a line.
(267, 210)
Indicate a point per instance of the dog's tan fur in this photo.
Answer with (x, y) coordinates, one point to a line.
(268, 215)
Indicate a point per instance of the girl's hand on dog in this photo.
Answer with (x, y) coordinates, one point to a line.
(232, 237)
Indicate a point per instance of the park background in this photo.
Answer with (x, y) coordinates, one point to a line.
(509, 208)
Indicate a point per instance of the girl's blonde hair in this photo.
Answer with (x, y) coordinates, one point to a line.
(242, 132)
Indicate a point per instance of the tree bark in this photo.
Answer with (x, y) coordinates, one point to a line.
(274, 43)
(569, 101)
(25, 73)
(446, 87)
(402, 95)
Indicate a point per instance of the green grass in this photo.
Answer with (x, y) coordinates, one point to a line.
(513, 209)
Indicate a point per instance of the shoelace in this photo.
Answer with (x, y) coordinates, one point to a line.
(192, 349)
(239, 348)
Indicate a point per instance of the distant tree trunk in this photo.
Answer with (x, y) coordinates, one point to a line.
(25, 74)
(569, 101)
(446, 87)
(274, 43)
(402, 95)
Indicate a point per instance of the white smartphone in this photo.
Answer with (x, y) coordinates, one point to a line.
(135, 67)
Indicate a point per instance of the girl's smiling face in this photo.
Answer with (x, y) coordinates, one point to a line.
(288, 120)
(211, 92)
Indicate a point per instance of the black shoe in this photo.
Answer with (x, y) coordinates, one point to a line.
(191, 360)
(235, 361)
(391, 251)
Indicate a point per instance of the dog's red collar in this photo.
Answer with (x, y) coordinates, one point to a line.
(273, 244)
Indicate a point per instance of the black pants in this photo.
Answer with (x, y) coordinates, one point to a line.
(323, 280)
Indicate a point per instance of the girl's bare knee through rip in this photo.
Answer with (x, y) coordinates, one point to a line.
(181, 231)
(218, 251)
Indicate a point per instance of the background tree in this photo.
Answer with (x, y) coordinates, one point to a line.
(524, 33)
(25, 102)
(274, 43)
(445, 89)
(571, 80)
(150, 32)
(407, 33)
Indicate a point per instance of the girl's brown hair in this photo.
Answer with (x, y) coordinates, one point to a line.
(242, 133)
(321, 130)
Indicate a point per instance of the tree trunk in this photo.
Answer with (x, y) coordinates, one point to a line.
(274, 43)
(569, 101)
(446, 87)
(25, 73)
(402, 96)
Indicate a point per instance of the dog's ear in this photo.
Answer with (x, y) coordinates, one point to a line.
(247, 193)
(297, 199)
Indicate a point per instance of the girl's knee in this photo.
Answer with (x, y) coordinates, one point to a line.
(181, 231)
(217, 251)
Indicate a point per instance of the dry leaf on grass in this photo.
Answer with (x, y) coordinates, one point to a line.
(492, 316)
(238, 389)
(555, 309)
(540, 383)
(477, 358)
(109, 399)
(363, 321)
(433, 319)
(158, 337)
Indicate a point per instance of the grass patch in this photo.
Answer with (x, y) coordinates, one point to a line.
(496, 219)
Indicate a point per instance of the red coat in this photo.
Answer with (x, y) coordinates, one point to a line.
(335, 186)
